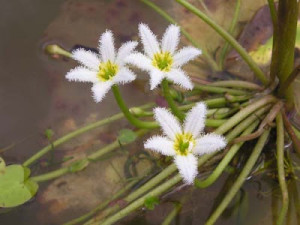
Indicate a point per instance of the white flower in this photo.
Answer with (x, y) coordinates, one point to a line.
(185, 142)
(103, 70)
(162, 60)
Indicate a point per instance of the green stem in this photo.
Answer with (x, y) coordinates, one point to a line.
(221, 102)
(237, 84)
(207, 56)
(245, 112)
(285, 45)
(140, 201)
(244, 124)
(175, 110)
(218, 102)
(153, 182)
(150, 125)
(297, 132)
(249, 124)
(92, 157)
(132, 119)
(226, 160)
(231, 31)
(51, 175)
(273, 12)
(219, 90)
(241, 178)
(159, 178)
(170, 217)
(280, 169)
(257, 71)
(288, 82)
(220, 115)
(75, 133)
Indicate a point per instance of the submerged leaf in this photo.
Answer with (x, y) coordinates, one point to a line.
(126, 136)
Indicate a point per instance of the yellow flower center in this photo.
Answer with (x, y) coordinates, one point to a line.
(163, 61)
(184, 144)
(107, 70)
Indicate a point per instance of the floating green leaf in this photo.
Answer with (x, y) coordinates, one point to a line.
(79, 165)
(151, 202)
(15, 187)
(126, 136)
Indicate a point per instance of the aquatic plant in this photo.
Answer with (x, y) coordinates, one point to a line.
(248, 111)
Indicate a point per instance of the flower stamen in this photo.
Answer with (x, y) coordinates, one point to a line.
(184, 144)
(163, 61)
(107, 70)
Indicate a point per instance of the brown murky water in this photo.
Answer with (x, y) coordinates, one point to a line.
(34, 96)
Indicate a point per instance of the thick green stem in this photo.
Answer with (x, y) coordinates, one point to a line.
(288, 82)
(285, 45)
(174, 108)
(257, 71)
(226, 160)
(231, 31)
(280, 169)
(132, 119)
(273, 13)
(249, 124)
(75, 133)
(206, 55)
(245, 112)
(245, 123)
(237, 84)
(223, 102)
(241, 178)
(219, 90)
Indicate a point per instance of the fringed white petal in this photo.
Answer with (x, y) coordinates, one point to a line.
(149, 40)
(106, 46)
(188, 167)
(209, 143)
(82, 74)
(180, 78)
(100, 89)
(161, 145)
(139, 60)
(156, 76)
(170, 39)
(168, 122)
(195, 120)
(124, 51)
(125, 75)
(87, 58)
(184, 55)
